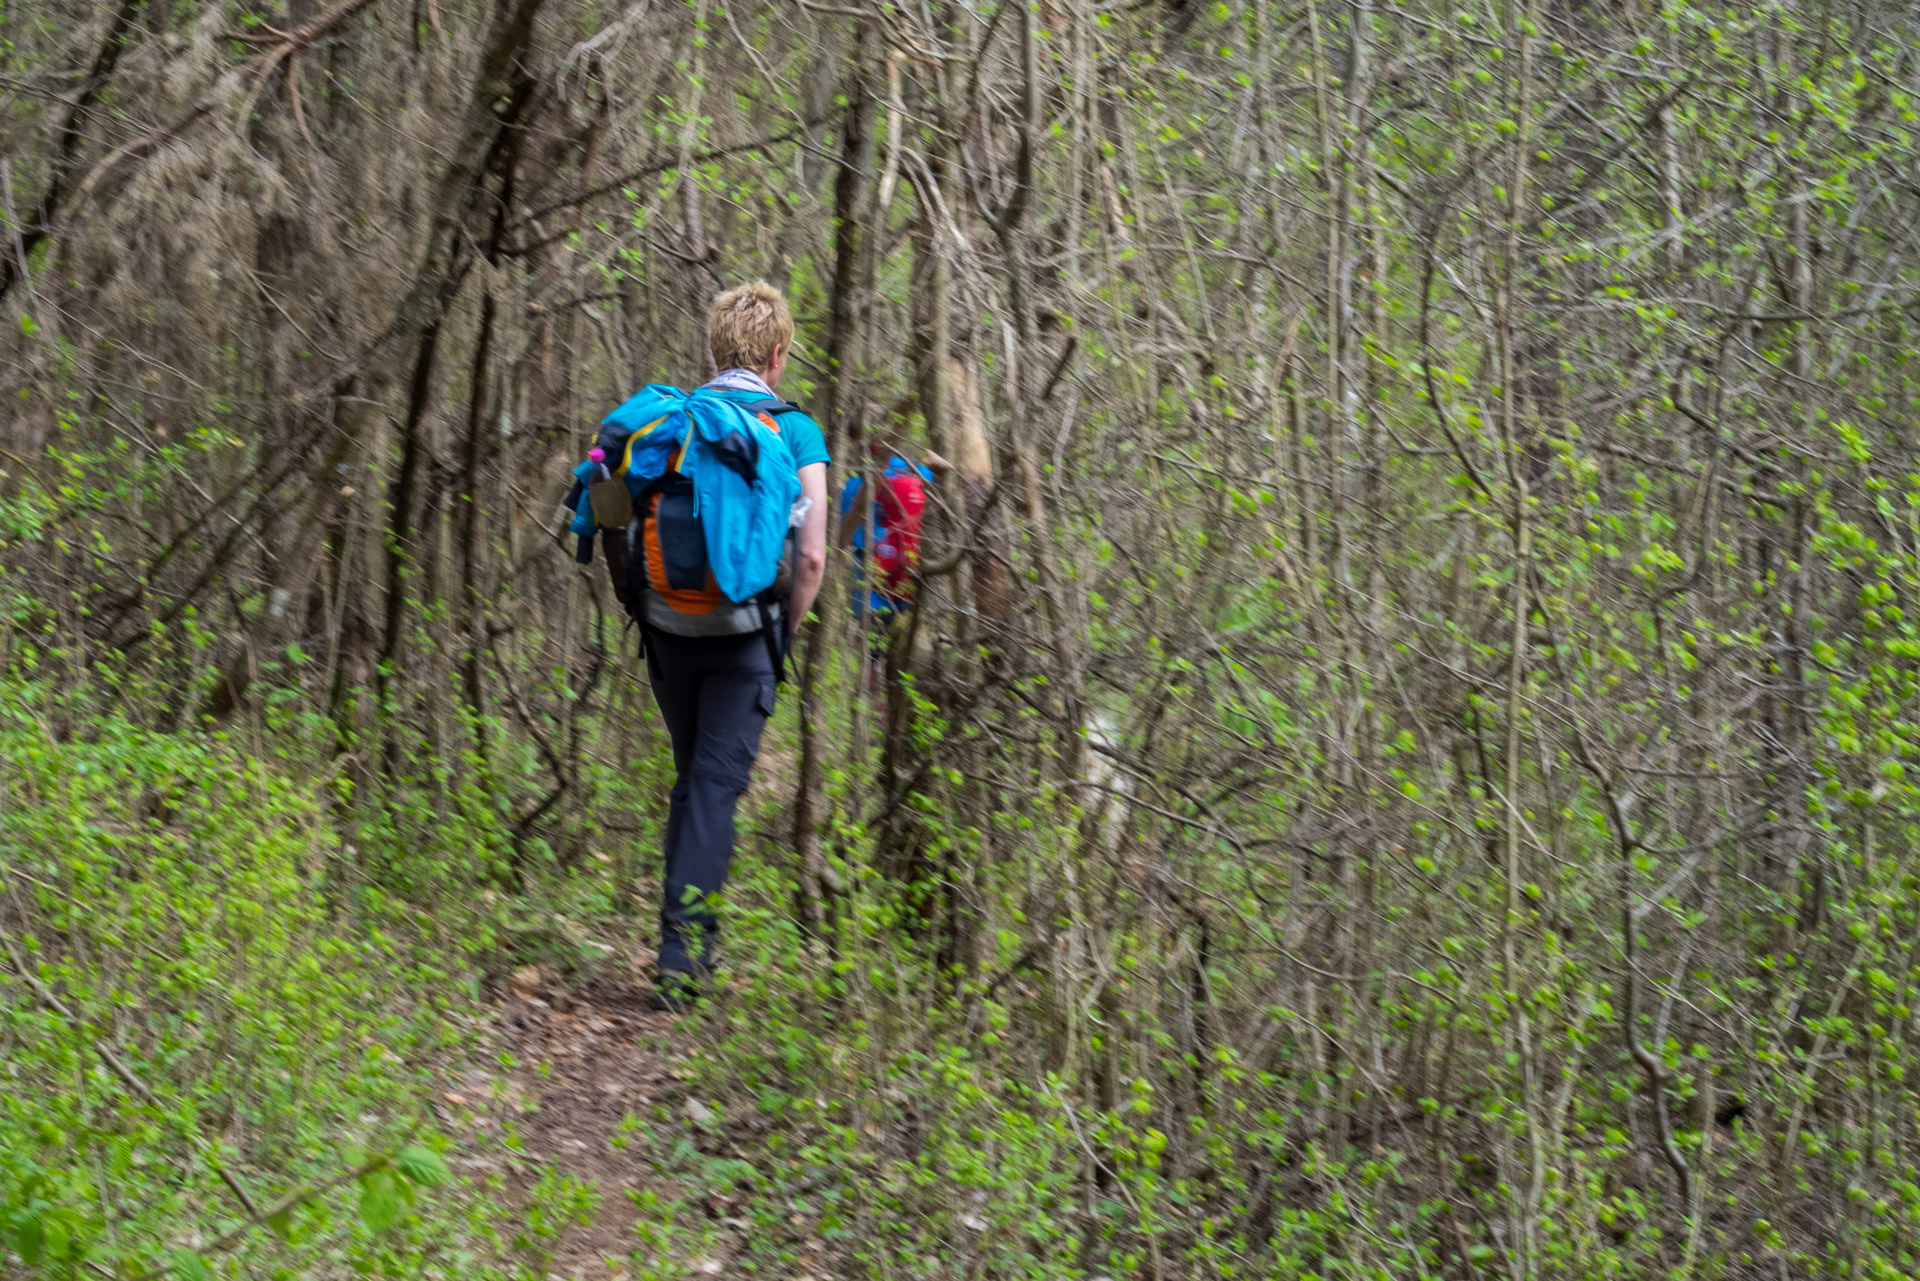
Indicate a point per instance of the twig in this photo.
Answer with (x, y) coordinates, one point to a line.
(965, 546)
(1060, 367)
(662, 166)
(291, 1201)
(53, 194)
(1649, 1062)
(134, 1084)
(253, 74)
(1813, 1055)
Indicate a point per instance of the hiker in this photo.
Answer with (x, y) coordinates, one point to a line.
(895, 519)
(718, 559)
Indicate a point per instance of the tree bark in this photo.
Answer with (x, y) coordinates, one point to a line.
(67, 155)
(849, 190)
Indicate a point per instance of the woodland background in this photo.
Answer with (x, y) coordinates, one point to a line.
(1402, 769)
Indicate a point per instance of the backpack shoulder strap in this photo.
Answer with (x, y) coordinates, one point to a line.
(774, 407)
(764, 412)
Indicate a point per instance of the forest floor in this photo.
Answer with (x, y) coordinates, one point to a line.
(597, 1094)
(585, 1061)
(598, 1097)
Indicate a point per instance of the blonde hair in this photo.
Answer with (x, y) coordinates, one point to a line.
(746, 324)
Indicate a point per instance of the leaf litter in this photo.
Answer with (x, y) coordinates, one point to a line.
(602, 1099)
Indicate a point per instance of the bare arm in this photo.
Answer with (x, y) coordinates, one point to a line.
(813, 544)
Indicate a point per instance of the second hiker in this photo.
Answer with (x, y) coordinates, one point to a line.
(894, 520)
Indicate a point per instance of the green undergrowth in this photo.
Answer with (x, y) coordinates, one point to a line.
(216, 1037)
(238, 976)
(289, 958)
(910, 1132)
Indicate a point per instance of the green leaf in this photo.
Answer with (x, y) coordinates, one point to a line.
(379, 1199)
(58, 1241)
(31, 1240)
(423, 1166)
(188, 1266)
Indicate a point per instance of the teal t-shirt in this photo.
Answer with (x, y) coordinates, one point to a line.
(804, 437)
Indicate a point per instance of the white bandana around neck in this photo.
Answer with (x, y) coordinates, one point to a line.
(740, 380)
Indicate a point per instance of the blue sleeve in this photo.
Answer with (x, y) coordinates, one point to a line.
(804, 438)
(847, 492)
(583, 521)
(898, 466)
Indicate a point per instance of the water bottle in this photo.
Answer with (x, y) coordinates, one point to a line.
(612, 508)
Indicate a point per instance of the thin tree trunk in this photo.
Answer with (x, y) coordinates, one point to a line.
(848, 197)
(47, 209)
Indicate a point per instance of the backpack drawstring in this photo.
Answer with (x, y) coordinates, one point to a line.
(686, 448)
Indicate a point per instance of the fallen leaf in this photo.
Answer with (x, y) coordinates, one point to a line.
(697, 1112)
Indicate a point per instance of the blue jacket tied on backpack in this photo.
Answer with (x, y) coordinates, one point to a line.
(744, 479)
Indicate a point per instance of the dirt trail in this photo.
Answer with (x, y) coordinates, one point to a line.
(599, 1092)
(586, 1061)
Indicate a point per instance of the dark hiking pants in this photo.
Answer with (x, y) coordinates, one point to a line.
(715, 695)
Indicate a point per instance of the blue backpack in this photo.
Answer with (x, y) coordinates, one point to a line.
(692, 500)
